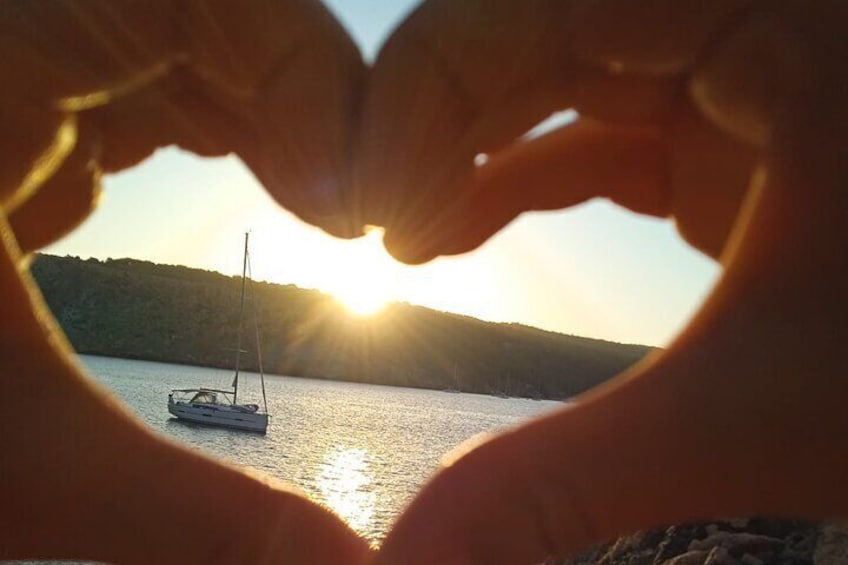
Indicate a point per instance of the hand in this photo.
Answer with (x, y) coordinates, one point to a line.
(728, 117)
(790, 237)
(93, 87)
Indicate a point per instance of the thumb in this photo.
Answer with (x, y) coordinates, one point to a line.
(200, 511)
(133, 499)
(698, 431)
(81, 479)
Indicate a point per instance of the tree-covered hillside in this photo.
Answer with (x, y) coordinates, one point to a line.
(141, 310)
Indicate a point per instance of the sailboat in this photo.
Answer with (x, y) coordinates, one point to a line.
(215, 407)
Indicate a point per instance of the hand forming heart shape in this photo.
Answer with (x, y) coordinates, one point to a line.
(728, 116)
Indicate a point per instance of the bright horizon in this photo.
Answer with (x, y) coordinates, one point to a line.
(594, 270)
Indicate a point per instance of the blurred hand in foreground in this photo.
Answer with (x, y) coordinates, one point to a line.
(95, 87)
(727, 116)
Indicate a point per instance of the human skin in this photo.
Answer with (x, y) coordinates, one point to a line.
(728, 117)
(92, 88)
(690, 110)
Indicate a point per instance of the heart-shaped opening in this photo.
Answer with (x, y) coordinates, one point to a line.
(437, 157)
(594, 271)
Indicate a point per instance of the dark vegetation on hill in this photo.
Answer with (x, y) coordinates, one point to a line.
(140, 310)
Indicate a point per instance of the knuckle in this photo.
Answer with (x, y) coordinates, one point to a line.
(783, 57)
(653, 36)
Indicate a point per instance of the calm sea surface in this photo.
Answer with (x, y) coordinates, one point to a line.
(362, 450)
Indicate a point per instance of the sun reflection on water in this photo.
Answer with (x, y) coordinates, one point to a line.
(345, 484)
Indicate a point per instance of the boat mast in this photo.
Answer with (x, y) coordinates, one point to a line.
(241, 319)
(258, 335)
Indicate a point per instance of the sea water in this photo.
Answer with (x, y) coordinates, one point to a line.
(362, 450)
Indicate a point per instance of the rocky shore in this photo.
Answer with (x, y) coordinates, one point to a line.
(752, 541)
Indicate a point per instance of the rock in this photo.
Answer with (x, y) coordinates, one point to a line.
(832, 546)
(776, 527)
(720, 556)
(677, 540)
(712, 529)
(739, 543)
(739, 523)
(588, 557)
(694, 557)
(638, 549)
(803, 541)
(765, 541)
(749, 559)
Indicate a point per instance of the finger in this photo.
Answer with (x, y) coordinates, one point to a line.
(303, 126)
(700, 430)
(584, 160)
(655, 37)
(171, 111)
(237, 47)
(276, 82)
(785, 57)
(691, 171)
(167, 112)
(292, 77)
(748, 60)
(33, 144)
(627, 99)
(781, 60)
(709, 174)
(287, 105)
(133, 498)
(62, 202)
(60, 57)
(79, 54)
(480, 82)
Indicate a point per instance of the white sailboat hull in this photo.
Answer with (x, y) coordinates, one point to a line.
(213, 407)
(219, 415)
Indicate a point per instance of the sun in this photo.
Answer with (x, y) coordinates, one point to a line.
(362, 300)
(359, 273)
(367, 275)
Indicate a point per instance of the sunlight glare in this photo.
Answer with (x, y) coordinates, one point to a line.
(345, 484)
(369, 284)
(359, 273)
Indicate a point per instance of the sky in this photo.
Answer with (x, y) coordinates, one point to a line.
(594, 270)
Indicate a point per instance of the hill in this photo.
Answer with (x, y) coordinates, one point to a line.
(141, 310)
